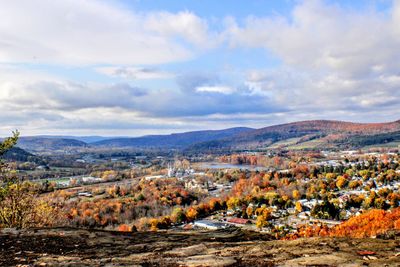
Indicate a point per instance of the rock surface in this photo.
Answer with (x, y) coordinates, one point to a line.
(77, 247)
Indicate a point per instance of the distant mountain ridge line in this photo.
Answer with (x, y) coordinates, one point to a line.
(324, 130)
(174, 140)
(329, 132)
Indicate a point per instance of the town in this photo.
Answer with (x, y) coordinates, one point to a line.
(275, 192)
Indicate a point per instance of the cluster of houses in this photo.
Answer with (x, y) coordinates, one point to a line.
(179, 172)
(288, 218)
(77, 180)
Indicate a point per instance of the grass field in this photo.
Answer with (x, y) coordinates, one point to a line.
(308, 144)
(395, 144)
(284, 143)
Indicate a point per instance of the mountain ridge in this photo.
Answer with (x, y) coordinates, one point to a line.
(330, 132)
(301, 134)
(174, 140)
(46, 143)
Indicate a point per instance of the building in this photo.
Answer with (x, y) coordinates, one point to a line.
(239, 221)
(210, 224)
(85, 194)
(89, 180)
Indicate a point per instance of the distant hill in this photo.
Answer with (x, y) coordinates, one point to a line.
(177, 140)
(309, 134)
(316, 134)
(87, 139)
(34, 143)
(18, 154)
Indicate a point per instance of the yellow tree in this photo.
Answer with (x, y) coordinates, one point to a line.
(341, 182)
(19, 204)
(264, 214)
(233, 202)
(249, 212)
(261, 222)
(299, 207)
(191, 214)
(154, 224)
(296, 194)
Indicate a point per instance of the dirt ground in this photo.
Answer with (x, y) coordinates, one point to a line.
(77, 247)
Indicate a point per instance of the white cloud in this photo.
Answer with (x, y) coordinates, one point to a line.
(77, 32)
(35, 102)
(319, 36)
(135, 73)
(216, 89)
(337, 63)
(185, 24)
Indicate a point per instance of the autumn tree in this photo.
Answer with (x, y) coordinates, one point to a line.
(5, 146)
(249, 211)
(233, 202)
(124, 228)
(261, 222)
(178, 215)
(263, 215)
(191, 214)
(299, 207)
(325, 210)
(369, 224)
(296, 194)
(341, 182)
(19, 205)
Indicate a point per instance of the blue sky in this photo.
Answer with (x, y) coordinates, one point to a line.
(138, 67)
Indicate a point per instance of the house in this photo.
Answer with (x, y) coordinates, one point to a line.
(85, 194)
(149, 178)
(188, 226)
(230, 212)
(291, 210)
(209, 224)
(42, 167)
(240, 221)
(89, 179)
(304, 215)
(192, 184)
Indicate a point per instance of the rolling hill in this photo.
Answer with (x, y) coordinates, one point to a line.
(18, 154)
(87, 139)
(172, 141)
(316, 134)
(34, 143)
(309, 134)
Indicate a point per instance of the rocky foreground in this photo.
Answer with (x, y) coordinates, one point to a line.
(76, 247)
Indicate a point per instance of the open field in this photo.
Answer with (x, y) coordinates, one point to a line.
(395, 144)
(307, 145)
(284, 143)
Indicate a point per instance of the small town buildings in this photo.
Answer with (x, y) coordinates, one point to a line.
(207, 224)
(85, 194)
(89, 180)
(239, 221)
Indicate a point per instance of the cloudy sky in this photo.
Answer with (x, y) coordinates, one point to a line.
(135, 67)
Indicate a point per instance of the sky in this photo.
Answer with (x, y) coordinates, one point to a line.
(137, 67)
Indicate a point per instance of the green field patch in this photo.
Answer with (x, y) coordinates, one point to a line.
(285, 143)
(308, 144)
